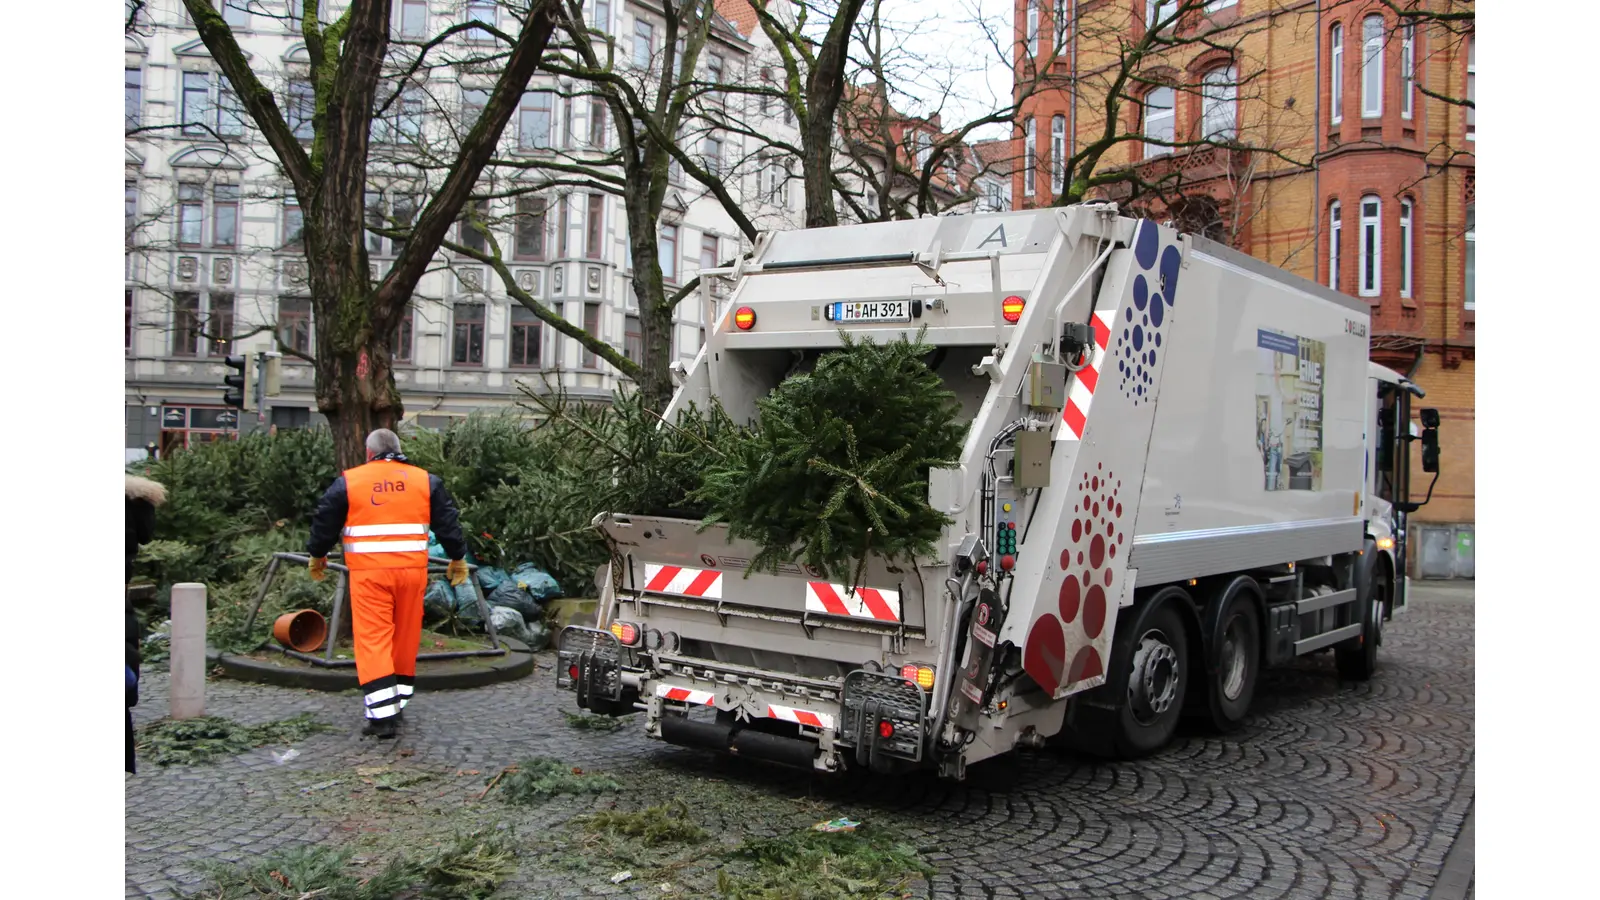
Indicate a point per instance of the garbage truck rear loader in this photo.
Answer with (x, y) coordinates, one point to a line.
(1181, 467)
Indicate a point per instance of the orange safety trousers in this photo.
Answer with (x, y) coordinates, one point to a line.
(386, 616)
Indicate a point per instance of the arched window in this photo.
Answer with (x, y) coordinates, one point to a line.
(1471, 253)
(1472, 76)
(1219, 105)
(1372, 67)
(1333, 244)
(1370, 271)
(1336, 75)
(1158, 121)
(1030, 156)
(1406, 239)
(1058, 151)
(1033, 27)
(1060, 11)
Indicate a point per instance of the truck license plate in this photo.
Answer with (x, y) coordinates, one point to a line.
(872, 311)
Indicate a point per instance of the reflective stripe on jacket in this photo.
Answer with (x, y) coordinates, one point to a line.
(386, 523)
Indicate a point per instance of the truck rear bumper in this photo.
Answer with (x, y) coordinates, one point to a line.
(874, 719)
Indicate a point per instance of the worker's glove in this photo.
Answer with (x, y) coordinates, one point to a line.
(456, 572)
(318, 568)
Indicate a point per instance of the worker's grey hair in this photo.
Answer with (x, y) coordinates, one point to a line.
(383, 441)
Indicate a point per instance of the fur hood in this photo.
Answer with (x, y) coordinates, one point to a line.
(145, 489)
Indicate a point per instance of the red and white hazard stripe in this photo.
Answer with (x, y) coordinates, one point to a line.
(682, 581)
(866, 603)
(686, 695)
(1075, 413)
(802, 716)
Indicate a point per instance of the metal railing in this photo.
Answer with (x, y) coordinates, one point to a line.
(341, 602)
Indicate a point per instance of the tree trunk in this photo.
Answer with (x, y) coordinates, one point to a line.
(818, 165)
(655, 314)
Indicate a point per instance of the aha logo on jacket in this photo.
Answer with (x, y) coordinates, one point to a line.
(386, 487)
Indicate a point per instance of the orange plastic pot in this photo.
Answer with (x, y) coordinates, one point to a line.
(302, 630)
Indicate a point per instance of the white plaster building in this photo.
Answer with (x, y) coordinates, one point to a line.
(211, 225)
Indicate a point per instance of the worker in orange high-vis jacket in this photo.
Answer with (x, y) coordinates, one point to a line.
(382, 512)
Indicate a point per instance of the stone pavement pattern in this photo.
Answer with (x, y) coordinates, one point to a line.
(1331, 791)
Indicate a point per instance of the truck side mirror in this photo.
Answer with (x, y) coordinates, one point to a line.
(1430, 440)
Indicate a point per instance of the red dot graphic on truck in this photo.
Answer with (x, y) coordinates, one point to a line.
(1069, 600)
(1044, 657)
(1154, 289)
(1094, 612)
(1086, 664)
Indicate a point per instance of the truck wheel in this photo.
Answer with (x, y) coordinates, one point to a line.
(1236, 652)
(1359, 660)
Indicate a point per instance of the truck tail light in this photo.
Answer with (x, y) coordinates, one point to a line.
(886, 729)
(745, 318)
(1011, 309)
(921, 675)
(572, 671)
(626, 632)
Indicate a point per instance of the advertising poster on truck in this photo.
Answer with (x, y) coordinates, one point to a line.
(1289, 410)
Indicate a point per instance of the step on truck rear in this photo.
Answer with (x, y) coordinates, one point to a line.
(1180, 468)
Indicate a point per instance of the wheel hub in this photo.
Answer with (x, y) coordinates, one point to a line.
(1234, 663)
(1153, 683)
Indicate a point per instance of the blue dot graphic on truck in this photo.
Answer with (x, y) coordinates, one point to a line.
(1154, 287)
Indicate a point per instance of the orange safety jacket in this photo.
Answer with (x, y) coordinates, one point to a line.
(386, 525)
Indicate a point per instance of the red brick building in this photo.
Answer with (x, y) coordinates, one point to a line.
(1312, 134)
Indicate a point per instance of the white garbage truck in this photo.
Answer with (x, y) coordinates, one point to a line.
(1180, 468)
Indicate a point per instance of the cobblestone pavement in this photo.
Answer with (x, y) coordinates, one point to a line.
(1337, 791)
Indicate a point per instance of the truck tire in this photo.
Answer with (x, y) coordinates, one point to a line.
(1233, 628)
(1357, 660)
(1139, 707)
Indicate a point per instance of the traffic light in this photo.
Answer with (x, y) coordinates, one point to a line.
(239, 391)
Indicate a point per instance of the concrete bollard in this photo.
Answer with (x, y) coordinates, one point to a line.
(187, 691)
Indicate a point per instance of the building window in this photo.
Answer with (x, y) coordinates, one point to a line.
(1406, 238)
(527, 334)
(1371, 258)
(1219, 105)
(127, 326)
(188, 426)
(632, 339)
(467, 343)
(294, 323)
(1371, 67)
(1218, 5)
(714, 66)
(196, 102)
(1334, 226)
(602, 16)
(404, 336)
(132, 98)
(643, 41)
(480, 11)
(236, 13)
(1058, 152)
(711, 155)
(225, 215)
(1030, 158)
(473, 100)
(185, 324)
(1472, 72)
(563, 225)
(230, 112)
(597, 123)
(404, 211)
(1157, 11)
(1033, 25)
(413, 18)
(1060, 18)
(473, 238)
(294, 225)
(1471, 247)
(191, 214)
(1336, 75)
(219, 325)
(708, 251)
(404, 123)
(533, 122)
(667, 253)
(375, 219)
(1408, 70)
(530, 228)
(1159, 121)
(302, 109)
(594, 233)
(130, 206)
(591, 325)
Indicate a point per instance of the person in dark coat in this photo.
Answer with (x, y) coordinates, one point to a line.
(143, 496)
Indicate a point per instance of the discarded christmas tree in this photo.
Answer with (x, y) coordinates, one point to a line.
(836, 467)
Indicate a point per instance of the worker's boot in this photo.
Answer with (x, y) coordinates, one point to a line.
(382, 729)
